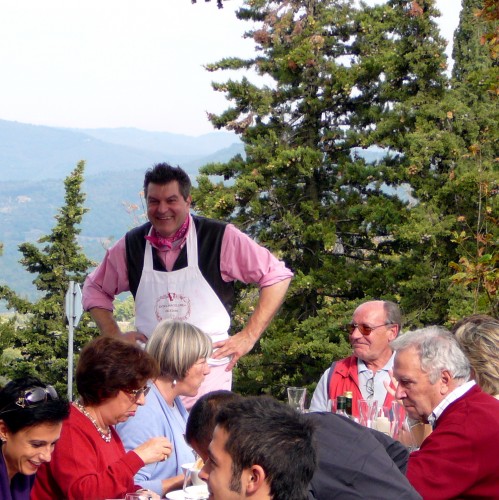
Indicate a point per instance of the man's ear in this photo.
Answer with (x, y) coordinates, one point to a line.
(255, 479)
(394, 331)
(446, 382)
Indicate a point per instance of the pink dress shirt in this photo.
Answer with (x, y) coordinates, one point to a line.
(241, 259)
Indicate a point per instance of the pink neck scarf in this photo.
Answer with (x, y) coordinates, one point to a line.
(166, 243)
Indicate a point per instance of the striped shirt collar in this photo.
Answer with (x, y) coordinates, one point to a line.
(450, 398)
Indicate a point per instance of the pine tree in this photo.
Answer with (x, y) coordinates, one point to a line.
(471, 56)
(443, 138)
(474, 186)
(342, 80)
(304, 188)
(413, 125)
(39, 344)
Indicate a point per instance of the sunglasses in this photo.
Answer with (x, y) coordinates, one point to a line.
(364, 329)
(34, 396)
(136, 393)
(370, 387)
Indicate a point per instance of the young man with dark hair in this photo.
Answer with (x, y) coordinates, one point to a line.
(261, 449)
(201, 421)
(353, 461)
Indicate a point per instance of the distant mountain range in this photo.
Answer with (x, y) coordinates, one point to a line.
(34, 160)
(38, 153)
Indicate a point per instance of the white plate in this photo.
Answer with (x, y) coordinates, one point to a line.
(175, 495)
(179, 494)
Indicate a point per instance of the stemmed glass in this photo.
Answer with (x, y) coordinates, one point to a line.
(187, 470)
(401, 427)
(367, 411)
(192, 491)
(296, 398)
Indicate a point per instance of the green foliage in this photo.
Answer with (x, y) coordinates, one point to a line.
(474, 184)
(124, 310)
(345, 79)
(36, 341)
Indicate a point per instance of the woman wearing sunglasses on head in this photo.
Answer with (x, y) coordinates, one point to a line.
(182, 352)
(90, 461)
(31, 416)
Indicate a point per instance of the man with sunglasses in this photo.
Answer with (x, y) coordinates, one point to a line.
(374, 325)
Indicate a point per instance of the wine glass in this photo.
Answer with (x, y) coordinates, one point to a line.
(296, 398)
(192, 488)
(367, 411)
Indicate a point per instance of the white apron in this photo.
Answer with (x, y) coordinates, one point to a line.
(182, 295)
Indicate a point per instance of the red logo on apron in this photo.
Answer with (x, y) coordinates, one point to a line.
(173, 306)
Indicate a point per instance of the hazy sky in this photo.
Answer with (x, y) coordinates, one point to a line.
(122, 63)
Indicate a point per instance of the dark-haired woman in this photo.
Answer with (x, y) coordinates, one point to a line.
(90, 462)
(31, 416)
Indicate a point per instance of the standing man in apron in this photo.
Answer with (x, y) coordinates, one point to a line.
(182, 267)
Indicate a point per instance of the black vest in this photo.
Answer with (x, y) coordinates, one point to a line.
(209, 235)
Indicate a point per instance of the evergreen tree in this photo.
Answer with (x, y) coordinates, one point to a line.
(490, 14)
(39, 344)
(474, 185)
(304, 189)
(412, 124)
(342, 80)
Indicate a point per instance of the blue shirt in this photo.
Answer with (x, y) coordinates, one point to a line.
(156, 418)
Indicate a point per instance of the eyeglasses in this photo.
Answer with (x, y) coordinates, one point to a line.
(370, 387)
(136, 393)
(34, 396)
(363, 328)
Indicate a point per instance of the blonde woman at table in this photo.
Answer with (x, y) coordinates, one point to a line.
(478, 337)
(182, 351)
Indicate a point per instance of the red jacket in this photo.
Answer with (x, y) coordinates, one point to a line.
(345, 377)
(459, 459)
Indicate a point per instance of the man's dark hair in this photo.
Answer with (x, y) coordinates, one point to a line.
(201, 421)
(163, 173)
(17, 418)
(262, 431)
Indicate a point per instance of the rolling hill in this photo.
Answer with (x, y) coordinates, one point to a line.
(34, 160)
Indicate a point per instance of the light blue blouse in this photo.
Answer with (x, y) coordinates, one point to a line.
(155, 419)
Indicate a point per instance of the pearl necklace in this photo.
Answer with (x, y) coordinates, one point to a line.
(105, 435)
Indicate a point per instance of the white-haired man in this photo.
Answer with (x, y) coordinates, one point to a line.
(459, 458)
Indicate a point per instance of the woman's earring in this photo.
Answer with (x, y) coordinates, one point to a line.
(174, 382)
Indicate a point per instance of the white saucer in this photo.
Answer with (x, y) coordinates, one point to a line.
(175, 495)
(179, 494)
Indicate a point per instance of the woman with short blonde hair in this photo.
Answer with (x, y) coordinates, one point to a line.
(181, 351)
(176, 346)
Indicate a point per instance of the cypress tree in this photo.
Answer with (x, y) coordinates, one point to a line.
(38, 341)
